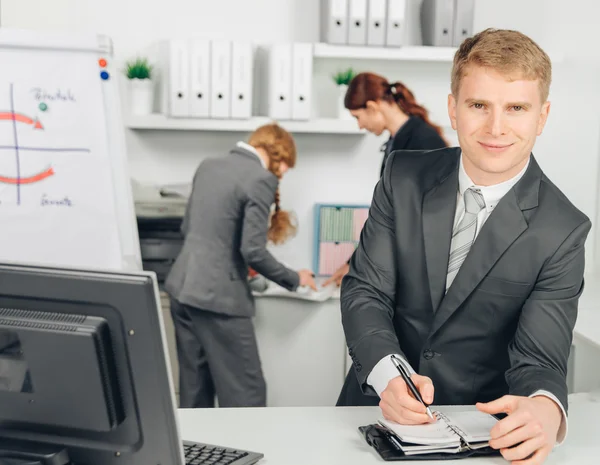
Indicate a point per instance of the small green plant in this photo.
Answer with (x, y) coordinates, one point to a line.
(342, 78)
(138, 69)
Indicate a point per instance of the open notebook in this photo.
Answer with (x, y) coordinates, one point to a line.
(458, 428)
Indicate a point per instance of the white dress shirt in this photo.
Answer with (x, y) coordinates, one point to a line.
(385, 370)
(248, 147)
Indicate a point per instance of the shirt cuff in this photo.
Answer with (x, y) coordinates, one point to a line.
(385, 371)
(564, 426)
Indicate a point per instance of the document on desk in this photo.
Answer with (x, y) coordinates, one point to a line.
(321, 295)
(458, 428)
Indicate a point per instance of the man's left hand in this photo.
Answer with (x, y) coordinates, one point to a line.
(528, 434)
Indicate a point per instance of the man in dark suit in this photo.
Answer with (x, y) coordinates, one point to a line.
(471, 263)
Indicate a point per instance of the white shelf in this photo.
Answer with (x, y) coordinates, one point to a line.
(318, 126)
(408, 53)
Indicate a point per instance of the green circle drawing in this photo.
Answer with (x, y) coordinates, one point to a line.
(43, 106)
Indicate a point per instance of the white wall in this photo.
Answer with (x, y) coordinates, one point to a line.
(342, 168)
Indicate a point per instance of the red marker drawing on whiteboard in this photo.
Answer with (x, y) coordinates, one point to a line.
(29, 179)
(7, 115)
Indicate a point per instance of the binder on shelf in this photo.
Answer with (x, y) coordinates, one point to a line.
(242, 72)
(279, 90)
(302, 70)
(220, 97)
(334, 21)
(357, 22)
(174, 58)
(396, 23)
(437, 19)
(376, 22)
(464, 12)
(200, 78)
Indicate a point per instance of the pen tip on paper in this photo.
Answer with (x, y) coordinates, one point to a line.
(430, 414)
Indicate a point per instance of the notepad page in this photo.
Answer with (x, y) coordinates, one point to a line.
(437, 433)
(475, 425)
(452, 449)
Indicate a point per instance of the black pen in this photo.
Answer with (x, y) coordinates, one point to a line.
(410, 384)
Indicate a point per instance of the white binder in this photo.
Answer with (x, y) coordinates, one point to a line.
(334, 21)
(437, 20)
(200, 78)
(464, 11)
(175, 78)
(396, 23)
(242, 72)
(302, 67)
(220, 97)
(280, 81)
(376, 24)
(357, 22)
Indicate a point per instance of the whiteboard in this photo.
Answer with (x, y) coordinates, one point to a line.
(65, 191)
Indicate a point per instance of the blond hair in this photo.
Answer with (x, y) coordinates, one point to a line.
(280, 147)
(508, 52)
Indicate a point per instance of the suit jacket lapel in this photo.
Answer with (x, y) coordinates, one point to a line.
(439, 207)
(505, 224)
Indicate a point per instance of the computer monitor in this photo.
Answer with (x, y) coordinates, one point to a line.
(84, 375)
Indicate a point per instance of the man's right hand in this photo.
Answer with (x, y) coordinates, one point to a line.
(398, 404)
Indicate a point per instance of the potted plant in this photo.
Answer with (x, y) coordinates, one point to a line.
(342, 80)
(141, 88)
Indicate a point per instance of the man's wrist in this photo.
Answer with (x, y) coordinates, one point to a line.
(546, 400)
(551, 404)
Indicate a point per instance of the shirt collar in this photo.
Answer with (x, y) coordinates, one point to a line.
(249, 148)
(491, 194)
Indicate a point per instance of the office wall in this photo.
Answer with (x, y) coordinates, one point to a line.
(343, 168)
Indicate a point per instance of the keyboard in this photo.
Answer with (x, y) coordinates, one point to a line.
(205, 454)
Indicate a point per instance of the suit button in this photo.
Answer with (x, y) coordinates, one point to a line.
(428, 354)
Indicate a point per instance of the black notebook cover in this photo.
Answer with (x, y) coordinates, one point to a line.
(378, 438)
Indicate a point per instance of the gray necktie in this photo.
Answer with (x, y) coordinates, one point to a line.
(463, 235)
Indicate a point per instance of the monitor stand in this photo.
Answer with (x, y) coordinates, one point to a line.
(17, 452)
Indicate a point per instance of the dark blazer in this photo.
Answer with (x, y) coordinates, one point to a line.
(225, 228)
(504, 326)
(415, 134)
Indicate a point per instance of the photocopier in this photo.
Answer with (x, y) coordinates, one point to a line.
(159, 211)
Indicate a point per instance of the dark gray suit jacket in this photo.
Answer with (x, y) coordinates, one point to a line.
(225, 230)
(505, 325)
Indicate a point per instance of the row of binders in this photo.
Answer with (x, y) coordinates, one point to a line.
(287, 85)
(443, 23)
(446, 23)
(217, 79)
(364, 22)
(206, 78)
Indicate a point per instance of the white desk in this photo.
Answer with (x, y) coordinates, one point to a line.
(329, 435)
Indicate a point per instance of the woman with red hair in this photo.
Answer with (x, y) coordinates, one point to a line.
(379, 106)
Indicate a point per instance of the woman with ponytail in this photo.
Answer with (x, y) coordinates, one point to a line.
(379, 106)
(233, 212)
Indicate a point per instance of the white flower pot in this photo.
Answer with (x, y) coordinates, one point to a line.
(141, 92)
(343, 113)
